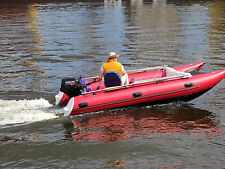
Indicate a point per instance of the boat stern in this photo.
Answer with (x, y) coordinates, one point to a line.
(61, 99)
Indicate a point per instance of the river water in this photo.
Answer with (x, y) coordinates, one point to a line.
(41, 43)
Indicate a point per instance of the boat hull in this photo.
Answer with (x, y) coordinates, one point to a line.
(62, 99)
(169, 91)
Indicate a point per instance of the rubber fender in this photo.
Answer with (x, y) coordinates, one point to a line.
(137, 94)
(83, 105)
(187, 85)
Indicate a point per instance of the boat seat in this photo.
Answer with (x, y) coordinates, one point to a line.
(112, 79)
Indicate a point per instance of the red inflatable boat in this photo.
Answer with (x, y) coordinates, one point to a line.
(150, 86)
(69, 86)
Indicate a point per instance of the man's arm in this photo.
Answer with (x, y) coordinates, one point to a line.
(100, 77)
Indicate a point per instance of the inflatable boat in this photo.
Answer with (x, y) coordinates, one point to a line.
(154, 85)
(71, 87)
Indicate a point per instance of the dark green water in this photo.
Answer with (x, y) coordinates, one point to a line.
(40, 43)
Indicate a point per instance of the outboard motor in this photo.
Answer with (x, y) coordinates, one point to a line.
(71, 86)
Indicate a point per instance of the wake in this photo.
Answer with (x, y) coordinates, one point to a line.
(24, 111)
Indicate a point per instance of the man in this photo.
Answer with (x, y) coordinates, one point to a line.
(113, 66)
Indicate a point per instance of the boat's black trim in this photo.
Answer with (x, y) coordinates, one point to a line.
(176, 99)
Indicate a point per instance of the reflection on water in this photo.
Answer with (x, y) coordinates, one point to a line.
(217, 35)
(33, 27)
(19, 37)
(144, 122)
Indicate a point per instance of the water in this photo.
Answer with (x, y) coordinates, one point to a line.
(41, 43)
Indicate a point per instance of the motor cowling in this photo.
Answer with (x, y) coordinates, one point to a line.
(71, 86)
